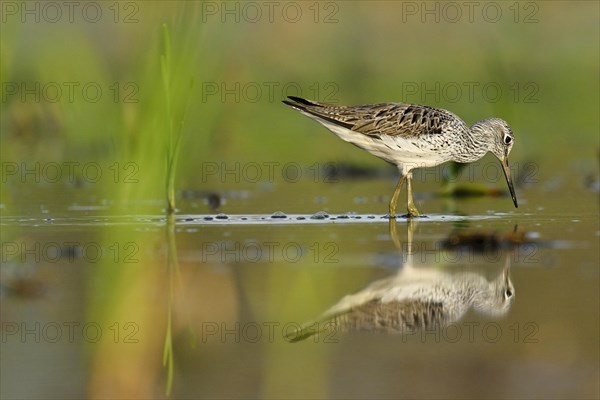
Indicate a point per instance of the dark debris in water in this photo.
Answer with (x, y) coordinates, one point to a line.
(320, 215)
(592, 183)
(469, 190)
(214, 200)
(279, 215)
(484, 242)
(23, 288)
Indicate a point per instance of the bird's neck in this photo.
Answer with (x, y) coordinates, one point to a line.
(475, 144)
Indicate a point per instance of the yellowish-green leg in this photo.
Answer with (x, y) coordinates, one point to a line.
(395, 197)
(394, 233)
(410, 227)
(412, 209)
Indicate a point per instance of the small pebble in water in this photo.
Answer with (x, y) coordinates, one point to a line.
(320, 215)
(279, 215)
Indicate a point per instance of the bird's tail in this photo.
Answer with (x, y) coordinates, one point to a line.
(301, 104)
(302, 334)
(327, 326)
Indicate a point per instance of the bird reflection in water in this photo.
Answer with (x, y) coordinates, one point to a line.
(416, 298)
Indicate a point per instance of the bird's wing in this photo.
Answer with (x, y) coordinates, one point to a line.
(390, 317)
(386, 119)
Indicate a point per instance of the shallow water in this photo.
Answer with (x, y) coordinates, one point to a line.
(92, 298)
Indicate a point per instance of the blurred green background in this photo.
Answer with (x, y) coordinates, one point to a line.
(535, 64)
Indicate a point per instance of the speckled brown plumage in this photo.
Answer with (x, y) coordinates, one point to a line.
(412, 136)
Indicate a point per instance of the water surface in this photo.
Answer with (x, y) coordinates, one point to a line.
(91, 300)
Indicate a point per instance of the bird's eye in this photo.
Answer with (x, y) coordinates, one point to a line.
(508, 294)
(507, 139)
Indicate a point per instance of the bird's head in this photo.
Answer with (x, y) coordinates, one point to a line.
(500, 139)
(499, 296)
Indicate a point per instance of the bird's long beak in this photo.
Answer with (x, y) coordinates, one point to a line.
(504, 162)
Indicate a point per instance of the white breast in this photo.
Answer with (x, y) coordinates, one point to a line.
(406, 153)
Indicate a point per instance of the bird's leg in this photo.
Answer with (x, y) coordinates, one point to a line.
(395, 196)
(412, 209)
(394, 234)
